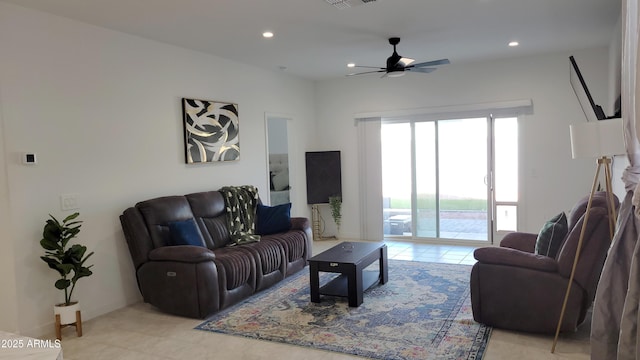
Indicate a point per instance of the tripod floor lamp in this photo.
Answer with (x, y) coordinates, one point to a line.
(601, 140)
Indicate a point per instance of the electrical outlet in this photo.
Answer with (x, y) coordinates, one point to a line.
(69, 201)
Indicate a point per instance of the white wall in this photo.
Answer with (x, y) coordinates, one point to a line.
(615, 67)
(550, 180)
(102, 111)
(8, 296)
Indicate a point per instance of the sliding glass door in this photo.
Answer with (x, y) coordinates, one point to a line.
(426, 184)
(397, 163)
(462, 170)
(437, 181)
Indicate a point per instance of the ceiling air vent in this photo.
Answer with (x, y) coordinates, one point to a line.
(342, 4)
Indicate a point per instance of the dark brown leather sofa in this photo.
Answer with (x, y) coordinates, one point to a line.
(513, 288)
(196, 281)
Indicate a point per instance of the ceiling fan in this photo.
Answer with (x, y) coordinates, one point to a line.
(397, 65)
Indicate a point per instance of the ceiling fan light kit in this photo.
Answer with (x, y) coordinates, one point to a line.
(397, 65)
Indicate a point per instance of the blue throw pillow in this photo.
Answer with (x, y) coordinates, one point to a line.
(185, 232)
(273, 219)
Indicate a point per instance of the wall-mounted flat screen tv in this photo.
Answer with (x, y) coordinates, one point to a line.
(591, 110)
(324, 177)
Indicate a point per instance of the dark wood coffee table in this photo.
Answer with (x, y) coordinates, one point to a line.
(348, 259)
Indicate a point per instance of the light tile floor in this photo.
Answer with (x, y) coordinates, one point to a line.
(140, 332)
(452, 254)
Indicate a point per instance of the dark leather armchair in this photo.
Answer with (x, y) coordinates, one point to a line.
(513, 288)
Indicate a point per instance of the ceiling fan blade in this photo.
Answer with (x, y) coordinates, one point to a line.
(405, 61)
(369, 67)
(366, 72)
(431, 63)
(421, 69)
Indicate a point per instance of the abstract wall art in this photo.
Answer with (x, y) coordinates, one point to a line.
(211, 132)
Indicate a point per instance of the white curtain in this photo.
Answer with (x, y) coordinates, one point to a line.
(614, 330)
(370, 178)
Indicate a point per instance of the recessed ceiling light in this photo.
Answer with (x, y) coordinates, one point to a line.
(351, 65)
(267, 34)
(514, 43)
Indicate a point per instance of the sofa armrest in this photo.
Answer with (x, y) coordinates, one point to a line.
(517, 258)
(520, 241)
(300, 223)
(303, 224)
(182, 253)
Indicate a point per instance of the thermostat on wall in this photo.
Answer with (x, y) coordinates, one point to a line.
(29, 159)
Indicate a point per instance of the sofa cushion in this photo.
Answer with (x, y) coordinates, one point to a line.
(552, 235)
(273, 219)
(185, 232)
(236, 268)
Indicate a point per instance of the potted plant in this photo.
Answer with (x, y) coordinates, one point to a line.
(335, 204)
(67, 260)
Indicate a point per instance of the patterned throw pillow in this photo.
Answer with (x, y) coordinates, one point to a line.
(240, 203)
(552, 235)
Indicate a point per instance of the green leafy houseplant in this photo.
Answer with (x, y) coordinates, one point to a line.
(67, 260)
(335, 203)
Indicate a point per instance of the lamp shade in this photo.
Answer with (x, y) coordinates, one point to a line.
(597, 138)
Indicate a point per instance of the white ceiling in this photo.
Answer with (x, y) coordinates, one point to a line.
(316, 40)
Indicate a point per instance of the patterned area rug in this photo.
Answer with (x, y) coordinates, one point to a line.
(423, 312)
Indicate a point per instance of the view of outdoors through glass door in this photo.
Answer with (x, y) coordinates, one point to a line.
(435, 182)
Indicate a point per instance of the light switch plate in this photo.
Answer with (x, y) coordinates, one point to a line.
(29, 159)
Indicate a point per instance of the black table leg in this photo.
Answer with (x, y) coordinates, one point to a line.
(314, 282)
(384, 266)
(354, 284)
